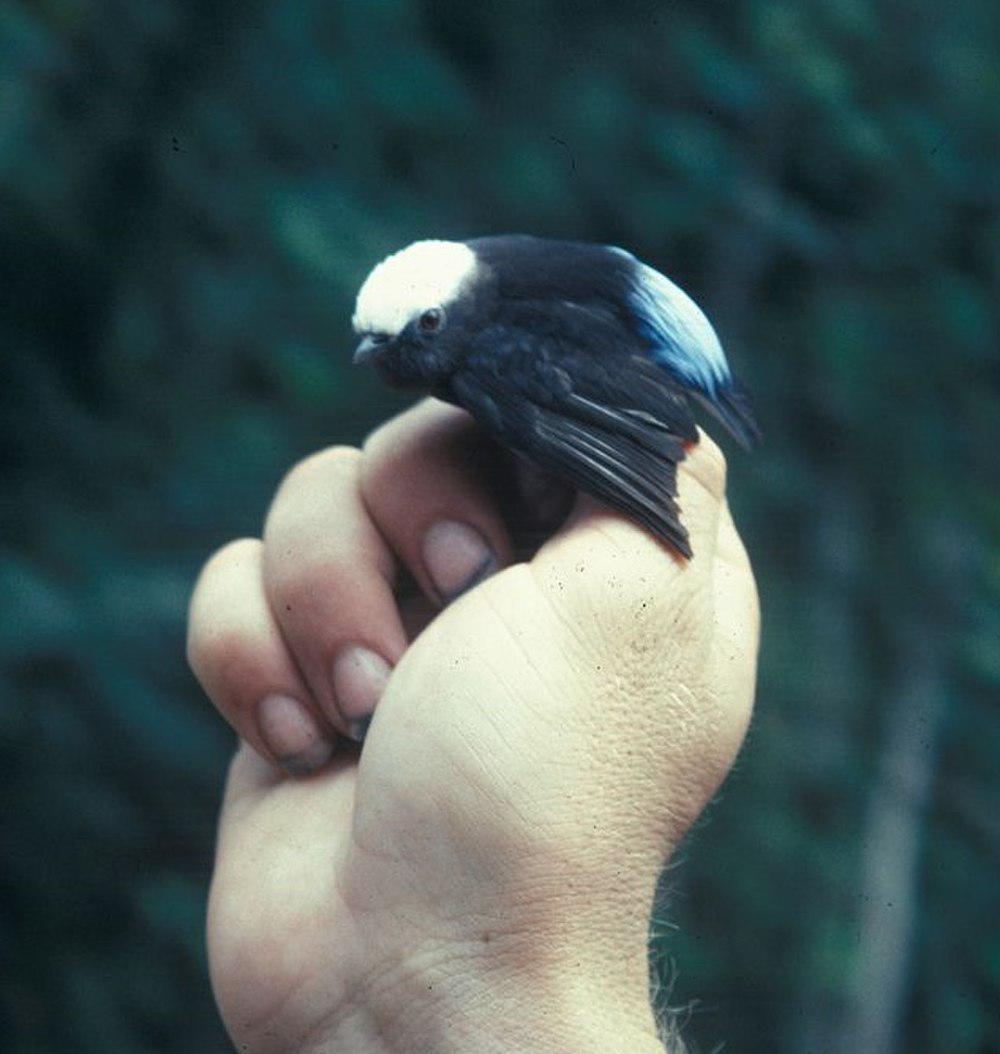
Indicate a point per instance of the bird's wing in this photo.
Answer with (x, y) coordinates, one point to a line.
(613, 428)
(683, 342)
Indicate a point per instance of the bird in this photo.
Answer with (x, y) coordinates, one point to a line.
(576, 355)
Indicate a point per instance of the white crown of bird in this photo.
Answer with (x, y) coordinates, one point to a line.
(424, 275)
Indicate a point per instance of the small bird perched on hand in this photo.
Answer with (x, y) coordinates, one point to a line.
(577, 356)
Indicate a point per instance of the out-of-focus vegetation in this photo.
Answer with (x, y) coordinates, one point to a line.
(190, 194)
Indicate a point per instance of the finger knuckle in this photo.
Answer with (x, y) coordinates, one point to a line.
(242, 554)
(378, 439)
(229, 559)
(340, 458)
(423, 427)
(386, 447)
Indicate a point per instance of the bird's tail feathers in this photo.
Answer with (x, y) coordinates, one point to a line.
(731, 405)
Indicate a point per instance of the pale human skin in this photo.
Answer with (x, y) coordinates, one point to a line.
(482, 880)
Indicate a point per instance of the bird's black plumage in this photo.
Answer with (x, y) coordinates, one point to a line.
(575, 355)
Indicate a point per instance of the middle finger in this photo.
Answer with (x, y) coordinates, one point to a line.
(329, 576)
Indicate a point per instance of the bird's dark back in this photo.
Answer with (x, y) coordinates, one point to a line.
(529, 268)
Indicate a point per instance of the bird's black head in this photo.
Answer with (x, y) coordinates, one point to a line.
(414, 310)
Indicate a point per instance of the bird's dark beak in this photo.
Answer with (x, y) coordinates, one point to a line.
(367, 350)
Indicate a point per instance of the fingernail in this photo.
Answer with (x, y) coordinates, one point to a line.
(292, 734)
(359, 678)
(357, 730)
(457, 558)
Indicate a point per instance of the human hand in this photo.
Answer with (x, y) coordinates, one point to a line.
(483, 878)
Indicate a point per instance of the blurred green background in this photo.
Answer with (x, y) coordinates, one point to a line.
(190, 195)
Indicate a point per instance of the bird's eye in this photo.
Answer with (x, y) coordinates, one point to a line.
(431, 319)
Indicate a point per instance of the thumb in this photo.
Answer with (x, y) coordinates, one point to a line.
(643, 619)
(610, 576)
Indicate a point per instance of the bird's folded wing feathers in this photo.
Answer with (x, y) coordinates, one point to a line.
(616, 432)
(613, 468)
